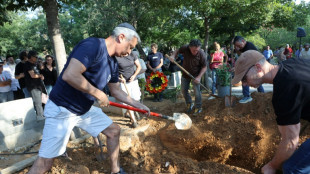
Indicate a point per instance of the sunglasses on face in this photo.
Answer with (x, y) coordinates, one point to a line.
(244, 79)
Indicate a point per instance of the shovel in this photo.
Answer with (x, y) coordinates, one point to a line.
(184, 70)
(100, 156)
(182, 121)
(131, 114)
(230, 101)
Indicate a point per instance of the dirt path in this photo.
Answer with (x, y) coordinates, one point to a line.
(222, 140)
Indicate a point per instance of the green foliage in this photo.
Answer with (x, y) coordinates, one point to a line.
(142, 84)
(167, 73)
(257, 40)
(223, 75)
(24, 34)
(165, 22)
(172, 94)
(239, 16)
(289, 15)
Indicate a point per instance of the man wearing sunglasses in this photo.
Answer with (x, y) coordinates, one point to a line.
(33, 80)
(291, 102)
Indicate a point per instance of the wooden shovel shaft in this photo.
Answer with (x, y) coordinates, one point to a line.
(131, 114)
(101, 151)
(194, 79)
(125, 85)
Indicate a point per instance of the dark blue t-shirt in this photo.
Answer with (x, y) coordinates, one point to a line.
(100, 70)
(154, 59)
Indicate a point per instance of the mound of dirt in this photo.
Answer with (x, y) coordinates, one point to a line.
(222, 139)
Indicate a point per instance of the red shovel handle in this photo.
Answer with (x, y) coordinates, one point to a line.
(133, 109)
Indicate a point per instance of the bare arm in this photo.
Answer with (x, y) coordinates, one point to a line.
(5, 83)
(149, 65)
(271, 55)
(212, 57)
(287, 146)
(21, 75)
(35, 76)
(73, 76)
(202, 71)
(137, 63)
(226, 58)
(174, 55)
(160, 64)
(121, 96)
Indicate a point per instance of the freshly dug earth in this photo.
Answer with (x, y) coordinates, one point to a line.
(222, 140)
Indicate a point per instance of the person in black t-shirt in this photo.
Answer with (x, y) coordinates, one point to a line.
(19, 73)
(129, 67)
(242, 45)
(291, 102)
(33, 79)
(50, 73)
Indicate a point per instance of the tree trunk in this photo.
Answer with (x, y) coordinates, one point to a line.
(139, 47)
(232, 48)
(141, 52)
(207, 35)
(51, 11)
(206, 47)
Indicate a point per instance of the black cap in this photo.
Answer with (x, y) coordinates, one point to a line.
(127, 25)
(1, 61)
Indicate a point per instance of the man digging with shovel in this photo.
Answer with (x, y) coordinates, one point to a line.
(195, 63)
(89, 68)
(291, 102)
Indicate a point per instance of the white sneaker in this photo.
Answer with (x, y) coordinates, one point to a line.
(246, 100)
(210, 98)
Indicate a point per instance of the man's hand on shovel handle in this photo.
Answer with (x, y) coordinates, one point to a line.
(171, 59)
(197, 80)
(103, 100)
(142, 106)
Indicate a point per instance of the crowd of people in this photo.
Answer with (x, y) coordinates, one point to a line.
(96, 63)
(27, 76)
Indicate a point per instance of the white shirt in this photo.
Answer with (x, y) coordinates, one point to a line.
(304, 54)
(11, 69)
(4, 77)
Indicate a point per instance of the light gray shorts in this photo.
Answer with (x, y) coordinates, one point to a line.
(59, 123)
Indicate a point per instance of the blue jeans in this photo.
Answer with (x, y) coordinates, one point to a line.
(158, 96)
(6, 96)
(246, 90)
(48, 89)
(184, 89)
(26, 93)
(299, 162)
(213, 76)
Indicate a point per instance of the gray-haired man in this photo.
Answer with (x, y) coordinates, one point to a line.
(89, 68)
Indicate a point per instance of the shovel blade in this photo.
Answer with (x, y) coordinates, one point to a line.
(182, 121)
(100, 157)
(230, 101)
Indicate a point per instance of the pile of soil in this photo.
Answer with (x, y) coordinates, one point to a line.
(238, 139)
